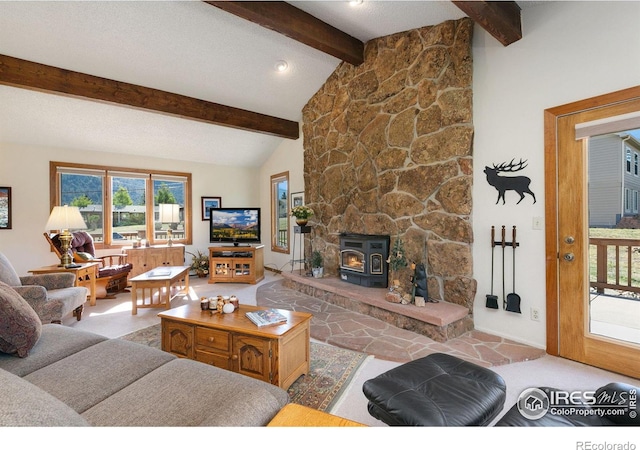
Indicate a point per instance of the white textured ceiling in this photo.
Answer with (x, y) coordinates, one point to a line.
(184, 47)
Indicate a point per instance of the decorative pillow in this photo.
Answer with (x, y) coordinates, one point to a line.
(20, 326)
(82, 256)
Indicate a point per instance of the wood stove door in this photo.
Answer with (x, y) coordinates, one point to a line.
(352, 260)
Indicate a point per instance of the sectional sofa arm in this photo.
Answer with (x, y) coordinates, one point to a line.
(50, 281)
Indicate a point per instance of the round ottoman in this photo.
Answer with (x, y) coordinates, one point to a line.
(437, 390)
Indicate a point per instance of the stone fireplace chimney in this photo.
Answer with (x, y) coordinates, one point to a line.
(388, 151)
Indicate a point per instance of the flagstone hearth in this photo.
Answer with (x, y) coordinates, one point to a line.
(440, 321)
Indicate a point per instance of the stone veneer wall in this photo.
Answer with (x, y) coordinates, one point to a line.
(388, 150)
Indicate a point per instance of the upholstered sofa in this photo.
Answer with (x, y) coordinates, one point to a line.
(53, 375)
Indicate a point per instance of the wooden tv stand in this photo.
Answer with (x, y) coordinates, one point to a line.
(241, 264)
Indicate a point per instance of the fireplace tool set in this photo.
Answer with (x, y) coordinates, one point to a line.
(510, 302)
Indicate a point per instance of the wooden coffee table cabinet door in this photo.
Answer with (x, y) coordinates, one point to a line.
(253, 357)
(177, 338)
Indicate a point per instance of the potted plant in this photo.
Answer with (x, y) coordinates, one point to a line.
(200, 263)
(316, 264)
(302, 214)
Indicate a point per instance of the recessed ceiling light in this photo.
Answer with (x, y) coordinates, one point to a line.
(281, 66)
(355, 2)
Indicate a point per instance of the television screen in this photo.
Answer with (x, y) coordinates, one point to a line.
(237, 225)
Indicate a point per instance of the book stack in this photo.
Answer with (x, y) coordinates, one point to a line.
(266, 317)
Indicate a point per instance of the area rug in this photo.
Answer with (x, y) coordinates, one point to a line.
(331, 371)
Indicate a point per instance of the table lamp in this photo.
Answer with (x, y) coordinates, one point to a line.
(63, 218)
(169, 213)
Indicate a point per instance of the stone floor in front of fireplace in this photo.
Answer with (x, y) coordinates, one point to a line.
(338, 326)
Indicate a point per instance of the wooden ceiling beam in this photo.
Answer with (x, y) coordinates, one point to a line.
(34, 76)
(500, 19)
(298, 25)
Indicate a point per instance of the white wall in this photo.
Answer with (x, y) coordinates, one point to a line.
(570, 51)
(26, 170)
(287, 157)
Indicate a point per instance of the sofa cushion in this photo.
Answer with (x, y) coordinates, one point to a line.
(24, 405)
(56, 342)
(20, 326)
(89, 376)
(184, 392)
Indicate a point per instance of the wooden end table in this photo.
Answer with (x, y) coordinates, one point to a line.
(158, 280)
(86, 275)
(277, 354)
(294, 415)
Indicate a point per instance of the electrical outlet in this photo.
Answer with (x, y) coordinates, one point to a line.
(535, 314)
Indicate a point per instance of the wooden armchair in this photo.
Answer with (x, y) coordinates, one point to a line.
(112, 271)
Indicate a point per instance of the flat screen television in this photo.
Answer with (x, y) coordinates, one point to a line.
(234, 225)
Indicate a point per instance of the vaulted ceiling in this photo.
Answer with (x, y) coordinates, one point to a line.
(190, 80)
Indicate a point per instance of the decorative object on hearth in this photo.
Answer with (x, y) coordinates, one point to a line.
(169, 213)
(502, 184)
(200, 263)
(397, 261)
(316, 264)
(419, 281)
(63, 218)
(302, 213)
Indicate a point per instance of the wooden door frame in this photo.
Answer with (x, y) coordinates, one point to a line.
(551, 117)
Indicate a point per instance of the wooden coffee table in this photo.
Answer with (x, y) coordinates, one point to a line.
(157, 281)
(277, 354)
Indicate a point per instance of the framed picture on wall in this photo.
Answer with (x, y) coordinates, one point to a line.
(208, 203)
(5, 208)
(297, 199)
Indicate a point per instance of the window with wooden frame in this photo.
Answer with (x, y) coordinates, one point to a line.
(280, 212)
(120, 205)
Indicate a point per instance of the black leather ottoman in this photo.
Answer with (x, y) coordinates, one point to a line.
(437, 390)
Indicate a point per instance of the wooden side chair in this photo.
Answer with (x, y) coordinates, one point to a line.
(112, 271)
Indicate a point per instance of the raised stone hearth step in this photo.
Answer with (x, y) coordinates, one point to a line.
(439, 321)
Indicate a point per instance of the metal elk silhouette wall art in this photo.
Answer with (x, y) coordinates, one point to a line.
(520, 184)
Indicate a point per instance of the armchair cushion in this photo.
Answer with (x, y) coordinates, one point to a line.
(20, 326)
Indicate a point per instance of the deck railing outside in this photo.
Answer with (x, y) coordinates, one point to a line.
(614, 264)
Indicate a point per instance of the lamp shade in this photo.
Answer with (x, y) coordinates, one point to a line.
(64, 218)
(169, 212)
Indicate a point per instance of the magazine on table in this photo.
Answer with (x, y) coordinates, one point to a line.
(266, 317)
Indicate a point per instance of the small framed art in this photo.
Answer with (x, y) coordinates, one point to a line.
(208, 203)
(297, 199)
(5, 208)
